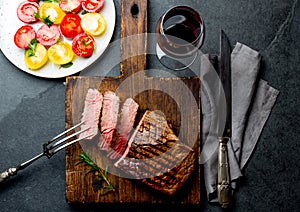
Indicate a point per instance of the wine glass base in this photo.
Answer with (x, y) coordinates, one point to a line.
(176, 64)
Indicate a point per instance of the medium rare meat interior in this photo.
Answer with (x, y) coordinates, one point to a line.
(124, 128)
(91, 113)
(109, 118)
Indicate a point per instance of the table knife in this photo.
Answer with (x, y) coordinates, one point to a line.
(224, 181)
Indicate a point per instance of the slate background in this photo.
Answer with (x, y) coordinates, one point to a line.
(32, 111)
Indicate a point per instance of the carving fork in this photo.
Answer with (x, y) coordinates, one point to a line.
(49, 149)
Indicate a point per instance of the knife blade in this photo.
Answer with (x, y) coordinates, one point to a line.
(223, 181)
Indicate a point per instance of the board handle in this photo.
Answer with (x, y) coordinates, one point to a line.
(133, 44)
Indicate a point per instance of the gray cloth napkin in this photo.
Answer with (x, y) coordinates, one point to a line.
(252, 102)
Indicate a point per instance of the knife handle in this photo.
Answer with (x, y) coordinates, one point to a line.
(224, 182)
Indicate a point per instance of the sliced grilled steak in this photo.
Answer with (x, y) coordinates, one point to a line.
(91, 113)
(156, 156)
(109, 119)
(124, 128)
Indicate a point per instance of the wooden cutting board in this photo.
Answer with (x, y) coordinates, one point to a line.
(158, 94)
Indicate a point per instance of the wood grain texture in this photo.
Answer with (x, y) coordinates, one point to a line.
(80, 188)
(133, 36)
(169, 95)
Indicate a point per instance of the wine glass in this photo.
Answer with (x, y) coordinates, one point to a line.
(179, 35)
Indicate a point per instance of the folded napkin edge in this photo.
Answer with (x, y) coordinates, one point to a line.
(246, 49)
(268, 102)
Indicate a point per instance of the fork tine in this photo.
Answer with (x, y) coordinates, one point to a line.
(63, 133)
(70, 143)
(68, 137)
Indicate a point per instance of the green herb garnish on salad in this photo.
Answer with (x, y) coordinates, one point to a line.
(32, 47)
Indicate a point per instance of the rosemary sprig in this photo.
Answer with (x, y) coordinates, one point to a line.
(100, 173)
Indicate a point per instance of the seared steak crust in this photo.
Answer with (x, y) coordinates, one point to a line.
(156, 156)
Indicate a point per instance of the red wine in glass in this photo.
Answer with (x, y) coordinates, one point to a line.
(179, 35)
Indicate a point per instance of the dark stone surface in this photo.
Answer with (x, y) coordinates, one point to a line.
(32, 111)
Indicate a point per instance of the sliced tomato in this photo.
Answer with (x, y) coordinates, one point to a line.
(93, 24)
(70, 25)
(33, 0)
(27, 11)
(52, 12)
(83, 45)
(23, 36)
(70, 6)
(92, 5)
(38, 60)
(61, 53)
(48, 36)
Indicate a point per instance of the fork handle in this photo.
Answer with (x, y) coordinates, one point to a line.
(8, 173)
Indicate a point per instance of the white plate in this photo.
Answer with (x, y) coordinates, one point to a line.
(9, 24)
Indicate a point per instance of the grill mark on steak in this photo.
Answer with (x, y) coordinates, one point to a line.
(91, 113)
(145, 169)
(159, 147)
(161, 134)
(148, 154)
(150, 169)
(109, 119)
(165, 159)
(182, 172)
